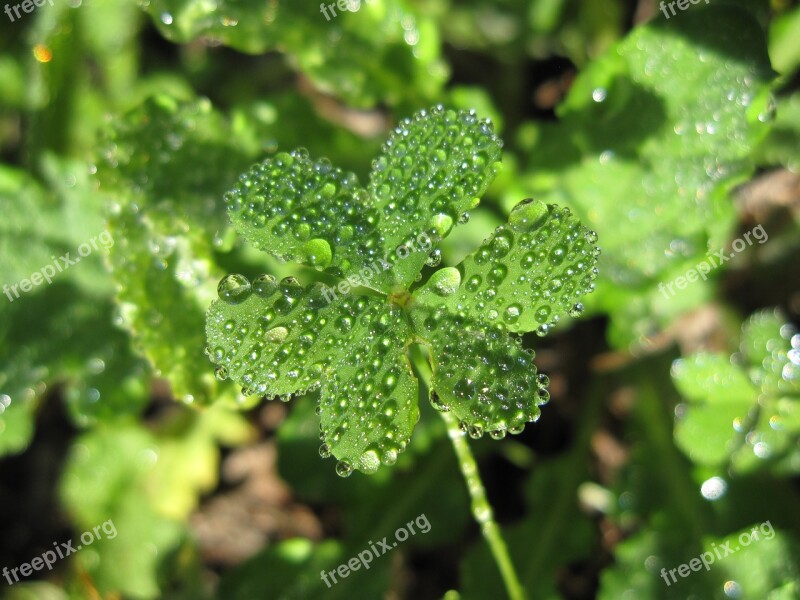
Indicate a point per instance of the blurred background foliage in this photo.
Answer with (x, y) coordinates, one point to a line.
(674, 422)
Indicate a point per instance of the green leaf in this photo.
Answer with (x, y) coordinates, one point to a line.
(480, 372)
(381, 52)
(298, 209)
(369, 400)
(783, 34)
(278, 338)
(719, 401)
(527, 275)
(165, 166)
(105, 481)
(652, 137)
(748, 417)
(431, 171)
(50, 333)
(146, 483)
(771, 347)
(28, 246)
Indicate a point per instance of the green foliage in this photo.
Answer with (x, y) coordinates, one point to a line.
(145, 482)
(347, 56)
(651, 138)
(280, 338)
(163, 224)
(744, 410)
(673, 427)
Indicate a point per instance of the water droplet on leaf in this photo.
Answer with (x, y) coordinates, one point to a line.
(344, 468)
(234, 288)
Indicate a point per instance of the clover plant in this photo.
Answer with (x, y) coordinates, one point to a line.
(278, 338)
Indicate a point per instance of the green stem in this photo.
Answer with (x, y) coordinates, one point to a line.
(482, 510)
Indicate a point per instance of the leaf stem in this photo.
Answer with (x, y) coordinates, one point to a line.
(482, 510)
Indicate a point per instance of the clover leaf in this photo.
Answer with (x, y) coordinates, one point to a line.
(349, 341)
(744, 410)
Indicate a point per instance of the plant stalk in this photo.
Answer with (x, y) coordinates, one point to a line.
(482, 510)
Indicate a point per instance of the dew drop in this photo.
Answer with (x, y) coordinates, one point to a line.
(440, 225)
(497, 275)
(445, 281)
(527, 215)
(265, 285)
(732, 589)
(276, 335)
(599, 94)
(528, 260)
(576, 310)
(501, 244)
(542, 313)
(475, 432)
(369, 462)
(512, 313)
(221, 373)
(482, 255)
(389, 383)
(234, 288)
(324, 451)
(557, 255)
(389, 457)
(344, 468)
(344, 324)
(474, 283)
(465, 389)
(434, 258)
(713, 488)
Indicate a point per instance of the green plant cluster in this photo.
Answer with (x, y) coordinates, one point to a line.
(442, 267)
